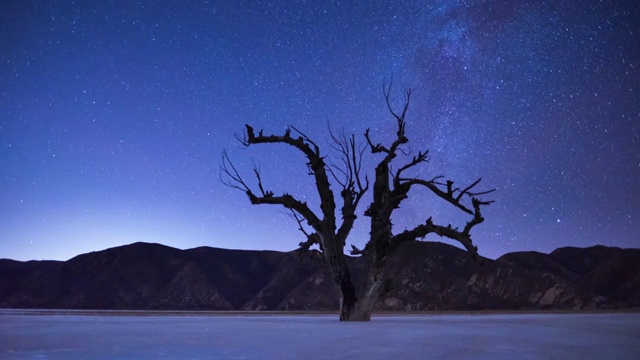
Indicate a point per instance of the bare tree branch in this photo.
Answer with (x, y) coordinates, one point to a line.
(355, 251)
(340, 146)
(312, 238)
(353, 187)
(288, 202)
(234, 180)
(449, 194)
(316, 165)
(386, 90)
(463, 237)
(388, 197)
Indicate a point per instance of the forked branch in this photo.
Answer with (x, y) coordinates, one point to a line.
(448, 194)
(400, 133)
(312, 238)
(388, 197)
(234, 180)
(353, 186)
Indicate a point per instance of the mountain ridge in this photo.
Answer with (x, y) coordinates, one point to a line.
(422, 276)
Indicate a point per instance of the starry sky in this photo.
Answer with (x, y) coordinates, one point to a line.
(114, 116)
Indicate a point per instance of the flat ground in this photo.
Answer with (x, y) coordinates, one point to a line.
(81, 335)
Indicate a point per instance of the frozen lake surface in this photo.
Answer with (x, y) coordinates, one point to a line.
(486, 336)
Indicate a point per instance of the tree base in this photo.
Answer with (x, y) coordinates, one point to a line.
(360, 317)
(355, 313)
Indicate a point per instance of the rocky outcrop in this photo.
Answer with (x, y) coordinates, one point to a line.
(422, 276)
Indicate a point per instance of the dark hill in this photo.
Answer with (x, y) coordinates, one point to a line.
(423, 276)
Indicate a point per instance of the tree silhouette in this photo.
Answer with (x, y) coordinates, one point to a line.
(390, 188)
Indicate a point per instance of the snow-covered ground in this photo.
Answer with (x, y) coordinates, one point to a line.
(487, 336)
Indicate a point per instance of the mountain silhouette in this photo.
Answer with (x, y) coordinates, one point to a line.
(422, 276)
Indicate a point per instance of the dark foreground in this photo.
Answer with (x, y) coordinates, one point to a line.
(30, 335)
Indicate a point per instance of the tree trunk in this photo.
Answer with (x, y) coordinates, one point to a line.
(347, 306)
(359, 306)
(342, 279)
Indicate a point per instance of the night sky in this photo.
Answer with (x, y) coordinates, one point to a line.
(114, 116)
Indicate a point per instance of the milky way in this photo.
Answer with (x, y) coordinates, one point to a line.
(114, 116)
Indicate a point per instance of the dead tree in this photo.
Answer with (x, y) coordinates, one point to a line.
(390, 188)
